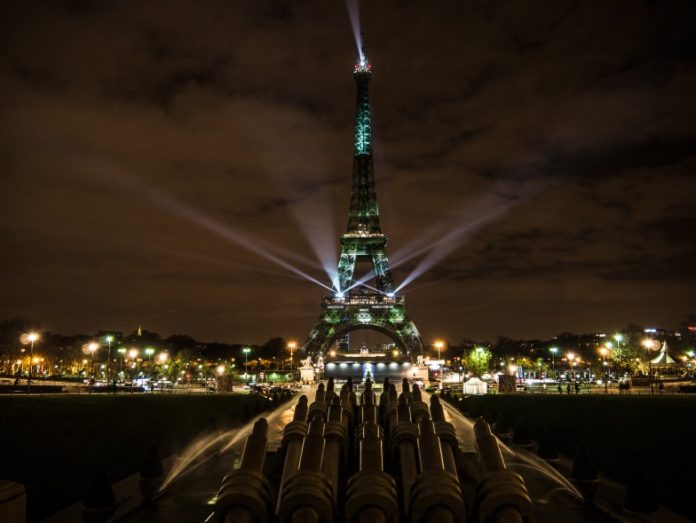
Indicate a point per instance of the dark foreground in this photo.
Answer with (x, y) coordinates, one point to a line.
(57, 445)
(644, 440)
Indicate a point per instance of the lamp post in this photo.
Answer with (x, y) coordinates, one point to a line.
(29, 338)
(439, 345)
(149, 352)
(618, 338)
(133, 354)
(292, 346)
(109, 339)
(649, 343)
(553, 351)
(92, 347)
(608, 346)
(246, 351)
(603, 352)
(122, 351)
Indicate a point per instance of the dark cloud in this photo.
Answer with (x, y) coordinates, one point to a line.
(570, 123)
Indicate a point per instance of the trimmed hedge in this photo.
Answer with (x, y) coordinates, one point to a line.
(623, 435)
(55, 445)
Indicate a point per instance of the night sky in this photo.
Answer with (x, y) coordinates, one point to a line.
(539, 156)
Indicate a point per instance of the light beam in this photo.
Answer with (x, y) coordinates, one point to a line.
(182, 210)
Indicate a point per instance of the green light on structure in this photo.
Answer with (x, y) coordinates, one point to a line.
(363, 124)
(363, 134)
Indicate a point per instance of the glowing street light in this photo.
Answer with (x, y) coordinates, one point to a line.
(162, 357)
(246, 351)
(553, 351)
(439, 345)
(292, 345)
(220, 370)
(92, 347)
(29, 338)
(603, 351)
(649, 345)
(122, 351)
(109, 340)
(149, 352)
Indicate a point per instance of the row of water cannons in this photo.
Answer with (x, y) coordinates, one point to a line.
(392, 459)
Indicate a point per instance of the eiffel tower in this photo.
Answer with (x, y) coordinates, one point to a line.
(354, 304)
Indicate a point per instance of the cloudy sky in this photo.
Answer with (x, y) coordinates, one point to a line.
(538, 156)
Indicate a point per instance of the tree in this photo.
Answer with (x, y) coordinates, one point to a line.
(274, 347)
(542, 366)
(477, 360)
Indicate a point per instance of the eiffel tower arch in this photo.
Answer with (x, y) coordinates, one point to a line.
(355, 305)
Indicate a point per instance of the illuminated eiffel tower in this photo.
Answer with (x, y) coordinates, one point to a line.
(355, 303)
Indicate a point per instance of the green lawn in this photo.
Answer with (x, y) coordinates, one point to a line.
(55, 444)
(622, 434)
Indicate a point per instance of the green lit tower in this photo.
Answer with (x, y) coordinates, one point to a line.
(363, 301)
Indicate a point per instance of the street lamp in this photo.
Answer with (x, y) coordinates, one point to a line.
(246, 351)
(292, 346)
(109, 340)
(122, 351)
(149, 352)
(29, 338)
(92, 347)
(133, 354)
(603, 351)
(571, 356)
(439, 346)
(649, 344)
(618, 338)
(553, 351)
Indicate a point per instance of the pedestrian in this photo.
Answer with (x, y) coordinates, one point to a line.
(577, 387)
(560, 388)
(568, 388)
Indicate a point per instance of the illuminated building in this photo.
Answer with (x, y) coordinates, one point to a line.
(369, 300)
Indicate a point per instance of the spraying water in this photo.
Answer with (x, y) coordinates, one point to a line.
(543, 481)
(205, 446)
(220, 442)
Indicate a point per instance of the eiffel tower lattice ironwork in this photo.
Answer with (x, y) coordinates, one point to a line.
(353, 305)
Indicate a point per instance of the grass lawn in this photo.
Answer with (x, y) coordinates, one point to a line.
(54, 445)
(622, 434)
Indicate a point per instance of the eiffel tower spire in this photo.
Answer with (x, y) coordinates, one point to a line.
(364, 211)
(363, 241)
